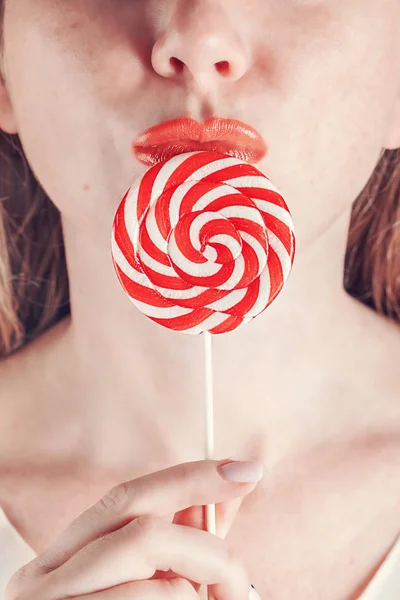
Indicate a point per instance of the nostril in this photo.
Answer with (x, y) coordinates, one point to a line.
(176, 64)
(223, 67)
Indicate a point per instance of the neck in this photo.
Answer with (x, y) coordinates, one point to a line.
(136, 376)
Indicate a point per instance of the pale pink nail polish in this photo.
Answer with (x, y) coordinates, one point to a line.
(242, 472)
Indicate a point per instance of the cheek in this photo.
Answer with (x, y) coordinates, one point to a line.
(338, 90)
(74, 154)
(73, 130)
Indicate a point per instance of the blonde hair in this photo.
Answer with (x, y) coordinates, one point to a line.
(372, 265)
(33, 273)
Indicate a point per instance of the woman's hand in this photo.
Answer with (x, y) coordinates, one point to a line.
(144, 540)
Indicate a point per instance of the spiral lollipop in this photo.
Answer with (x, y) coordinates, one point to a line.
(203, 242)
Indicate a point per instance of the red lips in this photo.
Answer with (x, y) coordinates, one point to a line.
(177, 136)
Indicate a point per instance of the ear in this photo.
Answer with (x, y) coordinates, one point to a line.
(392, 138)
(7, 118)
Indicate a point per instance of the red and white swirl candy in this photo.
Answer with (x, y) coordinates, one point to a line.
(203, 242)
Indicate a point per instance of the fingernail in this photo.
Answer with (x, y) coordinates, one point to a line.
(242, 472)
(253, 594)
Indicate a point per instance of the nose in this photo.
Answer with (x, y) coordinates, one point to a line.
(201, 43)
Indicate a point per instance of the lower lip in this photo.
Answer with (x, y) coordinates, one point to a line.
(152, 155)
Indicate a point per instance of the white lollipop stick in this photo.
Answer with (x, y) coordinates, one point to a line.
(209, 414)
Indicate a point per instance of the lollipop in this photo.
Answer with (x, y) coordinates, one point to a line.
(203, 242)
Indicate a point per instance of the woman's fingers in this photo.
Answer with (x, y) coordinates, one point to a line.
(173, 589)
(225, 513)
(160, 494)
(136, 551)
(127, 537)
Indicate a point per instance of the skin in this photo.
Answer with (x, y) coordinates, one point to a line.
(314, 377)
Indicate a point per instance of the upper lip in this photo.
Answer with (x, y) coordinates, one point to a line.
(225, 135)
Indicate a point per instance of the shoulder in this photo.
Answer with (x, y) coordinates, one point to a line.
(376, 351)
(383, 340)
(27, 388)
(17, 391)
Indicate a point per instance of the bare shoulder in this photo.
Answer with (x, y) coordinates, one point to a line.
(386, 351)
(26, 389)
(376, 348)
(18, 388)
